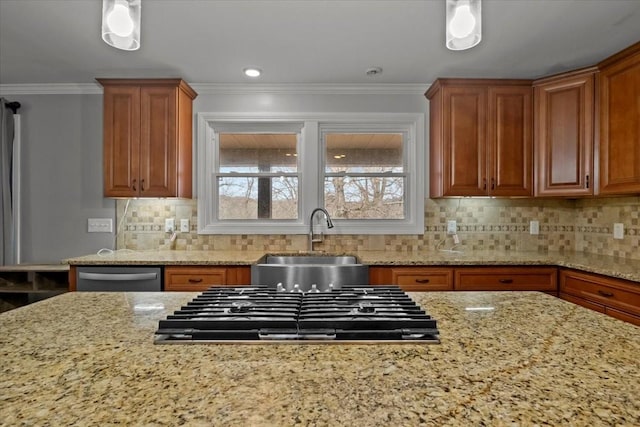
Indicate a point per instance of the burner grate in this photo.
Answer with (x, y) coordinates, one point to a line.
(259, 313)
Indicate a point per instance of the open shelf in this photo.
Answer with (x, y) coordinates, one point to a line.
(30, 278)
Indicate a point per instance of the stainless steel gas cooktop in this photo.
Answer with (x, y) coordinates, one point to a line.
(261, 314)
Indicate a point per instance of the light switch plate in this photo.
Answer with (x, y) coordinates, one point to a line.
(169, 225)
(534, 227)
(452, 227)
(100, 225)
(618, 230)
(184, 225)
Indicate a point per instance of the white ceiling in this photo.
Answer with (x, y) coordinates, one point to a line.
(305, 41)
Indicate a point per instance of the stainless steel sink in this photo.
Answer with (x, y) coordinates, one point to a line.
(310, 259)
(324, 271)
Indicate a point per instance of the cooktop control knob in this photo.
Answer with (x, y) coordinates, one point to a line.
(296, 288)
(279, 287)
(314, 289)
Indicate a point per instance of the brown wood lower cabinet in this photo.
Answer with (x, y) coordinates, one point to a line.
(506, 279)
(199, 278)
(413, 278)
(616, 297)
(467, 278)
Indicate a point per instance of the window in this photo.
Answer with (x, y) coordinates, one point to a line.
(264, 174)
(257, 176)
(364, 175)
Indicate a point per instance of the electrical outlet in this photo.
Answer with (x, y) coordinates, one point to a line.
(184, 225)
(100, 225)
(169, 225)
(534, 227)
(452, 227)
(618, 230)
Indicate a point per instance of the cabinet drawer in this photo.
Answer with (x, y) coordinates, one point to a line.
(506, 279)
(612, 293)
(635, 320)
(193, 279)
(423, 279)
(583, 302)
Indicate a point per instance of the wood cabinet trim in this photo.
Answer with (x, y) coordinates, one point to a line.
(618, 56)
(560, 77)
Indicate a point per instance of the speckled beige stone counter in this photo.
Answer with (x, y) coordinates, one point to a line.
(88, 359)
(615, 267)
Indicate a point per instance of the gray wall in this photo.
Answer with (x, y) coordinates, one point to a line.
(61, 177)
(62, 159)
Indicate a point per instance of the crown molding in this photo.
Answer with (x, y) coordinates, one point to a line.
(51, 89)
(310, 89)
(229, 89)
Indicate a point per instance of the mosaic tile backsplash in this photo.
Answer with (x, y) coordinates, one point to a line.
(496, 224)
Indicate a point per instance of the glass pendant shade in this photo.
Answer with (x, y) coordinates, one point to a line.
(464, 24)
(121, 23)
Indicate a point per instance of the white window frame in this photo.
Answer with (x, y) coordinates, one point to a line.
(311, 170)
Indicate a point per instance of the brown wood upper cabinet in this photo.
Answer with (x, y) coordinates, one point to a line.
(619, 91)
(147, 137)
(481, 137)
(563, 134)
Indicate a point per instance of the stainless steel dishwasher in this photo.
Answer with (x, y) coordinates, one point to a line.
(119, 279)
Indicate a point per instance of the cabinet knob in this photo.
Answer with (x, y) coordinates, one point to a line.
(422, 280)
(142, 185)
(493, 183)
(195, 280)
(133, 185)
(605, 294)
(505, 280)
(484, 183)
(587, 180)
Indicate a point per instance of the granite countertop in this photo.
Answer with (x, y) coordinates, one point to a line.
(622, 268)
(89, 359)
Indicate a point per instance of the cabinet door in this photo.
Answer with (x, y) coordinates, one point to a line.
(158, 141)
(121, 141)
(464, 141)
(564, 136)
(510, 137)
(620, 124)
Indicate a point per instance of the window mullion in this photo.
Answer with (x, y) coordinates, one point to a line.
(311, 179)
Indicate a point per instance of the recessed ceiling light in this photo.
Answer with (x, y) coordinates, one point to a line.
(252, 72)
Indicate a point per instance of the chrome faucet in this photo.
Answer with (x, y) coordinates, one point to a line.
(329, 225)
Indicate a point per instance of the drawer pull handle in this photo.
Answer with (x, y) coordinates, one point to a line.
(198, 280)
(505, 280)
(422, 280)
(605, 294)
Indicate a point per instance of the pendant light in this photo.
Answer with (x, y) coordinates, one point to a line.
(121, 23)
(464, 24)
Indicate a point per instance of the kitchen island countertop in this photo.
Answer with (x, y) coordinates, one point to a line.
(89, 359)
(622, 268)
